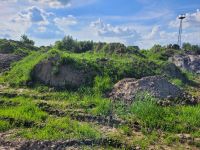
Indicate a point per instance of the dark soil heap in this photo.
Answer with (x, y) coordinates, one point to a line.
(127, 89)
(6, 60)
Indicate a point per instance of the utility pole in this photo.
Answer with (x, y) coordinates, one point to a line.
(181, 17)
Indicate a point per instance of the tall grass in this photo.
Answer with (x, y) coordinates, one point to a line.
(175, 119)
(61, 128)
(4, 126)
(108, 72)
(21, 71)
(25, 111)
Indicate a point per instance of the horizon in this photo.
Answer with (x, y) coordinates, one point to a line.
(139, 22)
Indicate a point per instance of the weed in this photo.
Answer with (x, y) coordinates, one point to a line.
(4, 126)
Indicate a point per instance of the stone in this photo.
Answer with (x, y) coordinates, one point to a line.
(6, 60)
(187, 62)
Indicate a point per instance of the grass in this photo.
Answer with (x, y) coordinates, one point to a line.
(20, 73)
(25, 111)
(61, 128)
(151, 117)
(176, 119)
(106, 72)
(91, 100)
(4, 126)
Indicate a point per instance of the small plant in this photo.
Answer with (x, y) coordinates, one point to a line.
(4, 126)
(102, 84)
(177, 82)
(170, 139)
(126, 129)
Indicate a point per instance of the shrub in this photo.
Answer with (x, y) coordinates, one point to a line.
(6, 47)
(102, 84)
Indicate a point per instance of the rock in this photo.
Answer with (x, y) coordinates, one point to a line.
(62, 75)
(187, 62)
(6, 60)
(186, 138)
(172, 71)
(157, 86)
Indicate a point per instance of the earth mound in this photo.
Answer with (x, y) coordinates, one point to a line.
(187, 62)
(52, 73)
(127, 89)
(6, 60)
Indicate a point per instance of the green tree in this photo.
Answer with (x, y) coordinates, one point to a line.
(187, 46)
(68, 43)
(173, 46)
(157, 48)
(25, 40)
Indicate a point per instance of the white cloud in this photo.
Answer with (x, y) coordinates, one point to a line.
(32, 15)
(18, 24)
(42, 29)
(61, 3)
(107, 30)
(191, 20)
(155, 33)
(53, 3)
(9, 1)
(64, 22)
(13, 29)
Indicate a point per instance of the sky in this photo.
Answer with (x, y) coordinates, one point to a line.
(132, 22)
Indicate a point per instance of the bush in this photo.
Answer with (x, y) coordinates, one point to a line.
(102, 84)
(195, 49)
(4, 125)
(26, 41)
(6, 47)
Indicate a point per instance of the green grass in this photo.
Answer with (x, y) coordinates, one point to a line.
(176, 119)
(61, 128)
(4, 126)
(20, 73)
(178, 82)
(25, 111)
(157, 123)
(152, 118)
(107, 73)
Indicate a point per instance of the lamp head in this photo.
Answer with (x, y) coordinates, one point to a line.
(182, 16)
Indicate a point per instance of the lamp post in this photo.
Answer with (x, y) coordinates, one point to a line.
(181, 17)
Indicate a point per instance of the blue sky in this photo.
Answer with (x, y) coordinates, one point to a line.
(132, 22)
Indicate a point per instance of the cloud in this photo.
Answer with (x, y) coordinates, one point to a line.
(107, 30)
(54, 3)
(191, 20)
(6, 36)
(155, 33)
(42, 29)
(143, 36)
(19, 23)
(64, 22)
(32, 15)
(9, 1)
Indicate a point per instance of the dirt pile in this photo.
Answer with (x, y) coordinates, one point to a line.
(67, 75)
(6, 60)
(128, 89)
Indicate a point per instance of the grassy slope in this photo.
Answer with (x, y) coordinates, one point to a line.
(20, 72)
(116, 68)
(16, 112)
